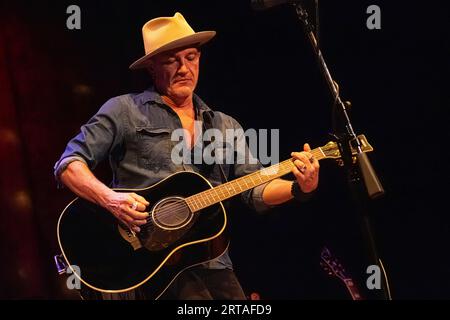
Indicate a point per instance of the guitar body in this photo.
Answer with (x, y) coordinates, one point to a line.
(112, 259)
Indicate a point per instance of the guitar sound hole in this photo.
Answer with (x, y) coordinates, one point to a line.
(171, 213)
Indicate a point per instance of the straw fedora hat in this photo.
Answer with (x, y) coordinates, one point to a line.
(167, 33)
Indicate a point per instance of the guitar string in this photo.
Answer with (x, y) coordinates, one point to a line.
(180, 205)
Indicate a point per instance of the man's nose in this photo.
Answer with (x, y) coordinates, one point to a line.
(183, 69)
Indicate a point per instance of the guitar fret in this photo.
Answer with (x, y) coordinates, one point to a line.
(201, 200)
(222, 191)
(204, 200)
(193, 205)
(219, 192)
(189, 203)
(206, 196)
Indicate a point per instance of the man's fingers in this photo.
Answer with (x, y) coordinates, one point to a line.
(125, 218)
(306, 147)
(310, 156)
(130, 222)
(131, 226)
(137, 215)
(306, 168)
(135, 204)
(304, 158)
(136, 229)
(134, 214)
(316, 164)
(300, 176)
(139, 206)
(299, 163)
(302, 155)
(140, 199)
(139, 222)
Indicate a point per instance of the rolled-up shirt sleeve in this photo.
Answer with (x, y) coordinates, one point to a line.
(254, 199)
(96, 139)
(246, 163)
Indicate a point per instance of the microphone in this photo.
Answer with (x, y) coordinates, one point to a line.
(267, 4)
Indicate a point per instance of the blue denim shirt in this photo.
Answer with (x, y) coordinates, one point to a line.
(133, 132)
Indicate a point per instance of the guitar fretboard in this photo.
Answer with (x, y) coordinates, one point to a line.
(352, 289)
(227, 190)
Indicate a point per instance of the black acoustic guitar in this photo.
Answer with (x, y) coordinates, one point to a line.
(186, 221)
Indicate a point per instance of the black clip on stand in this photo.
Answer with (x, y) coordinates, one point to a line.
(344, 139)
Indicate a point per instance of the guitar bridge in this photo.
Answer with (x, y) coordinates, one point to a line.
(130, 237)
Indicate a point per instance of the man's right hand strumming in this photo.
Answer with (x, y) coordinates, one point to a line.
(126, 207)
(129, 208)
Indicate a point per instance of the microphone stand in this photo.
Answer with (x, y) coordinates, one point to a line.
(362, 169)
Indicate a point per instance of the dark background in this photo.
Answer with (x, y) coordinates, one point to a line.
(259, 69)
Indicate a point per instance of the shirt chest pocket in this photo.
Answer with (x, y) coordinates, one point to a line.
(153, 148)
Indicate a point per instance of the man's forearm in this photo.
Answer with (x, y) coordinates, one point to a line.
(277, 192)
(80, 179)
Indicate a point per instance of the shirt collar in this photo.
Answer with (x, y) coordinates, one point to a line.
(151, 95)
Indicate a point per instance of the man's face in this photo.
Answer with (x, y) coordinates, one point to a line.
(175, 73)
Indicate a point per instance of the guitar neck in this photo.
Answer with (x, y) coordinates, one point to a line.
(352, 289)
(227, 190)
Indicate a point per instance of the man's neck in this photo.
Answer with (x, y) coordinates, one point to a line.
(180, 105)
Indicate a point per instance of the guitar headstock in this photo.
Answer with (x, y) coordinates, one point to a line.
(332, 266)
(331, 149)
